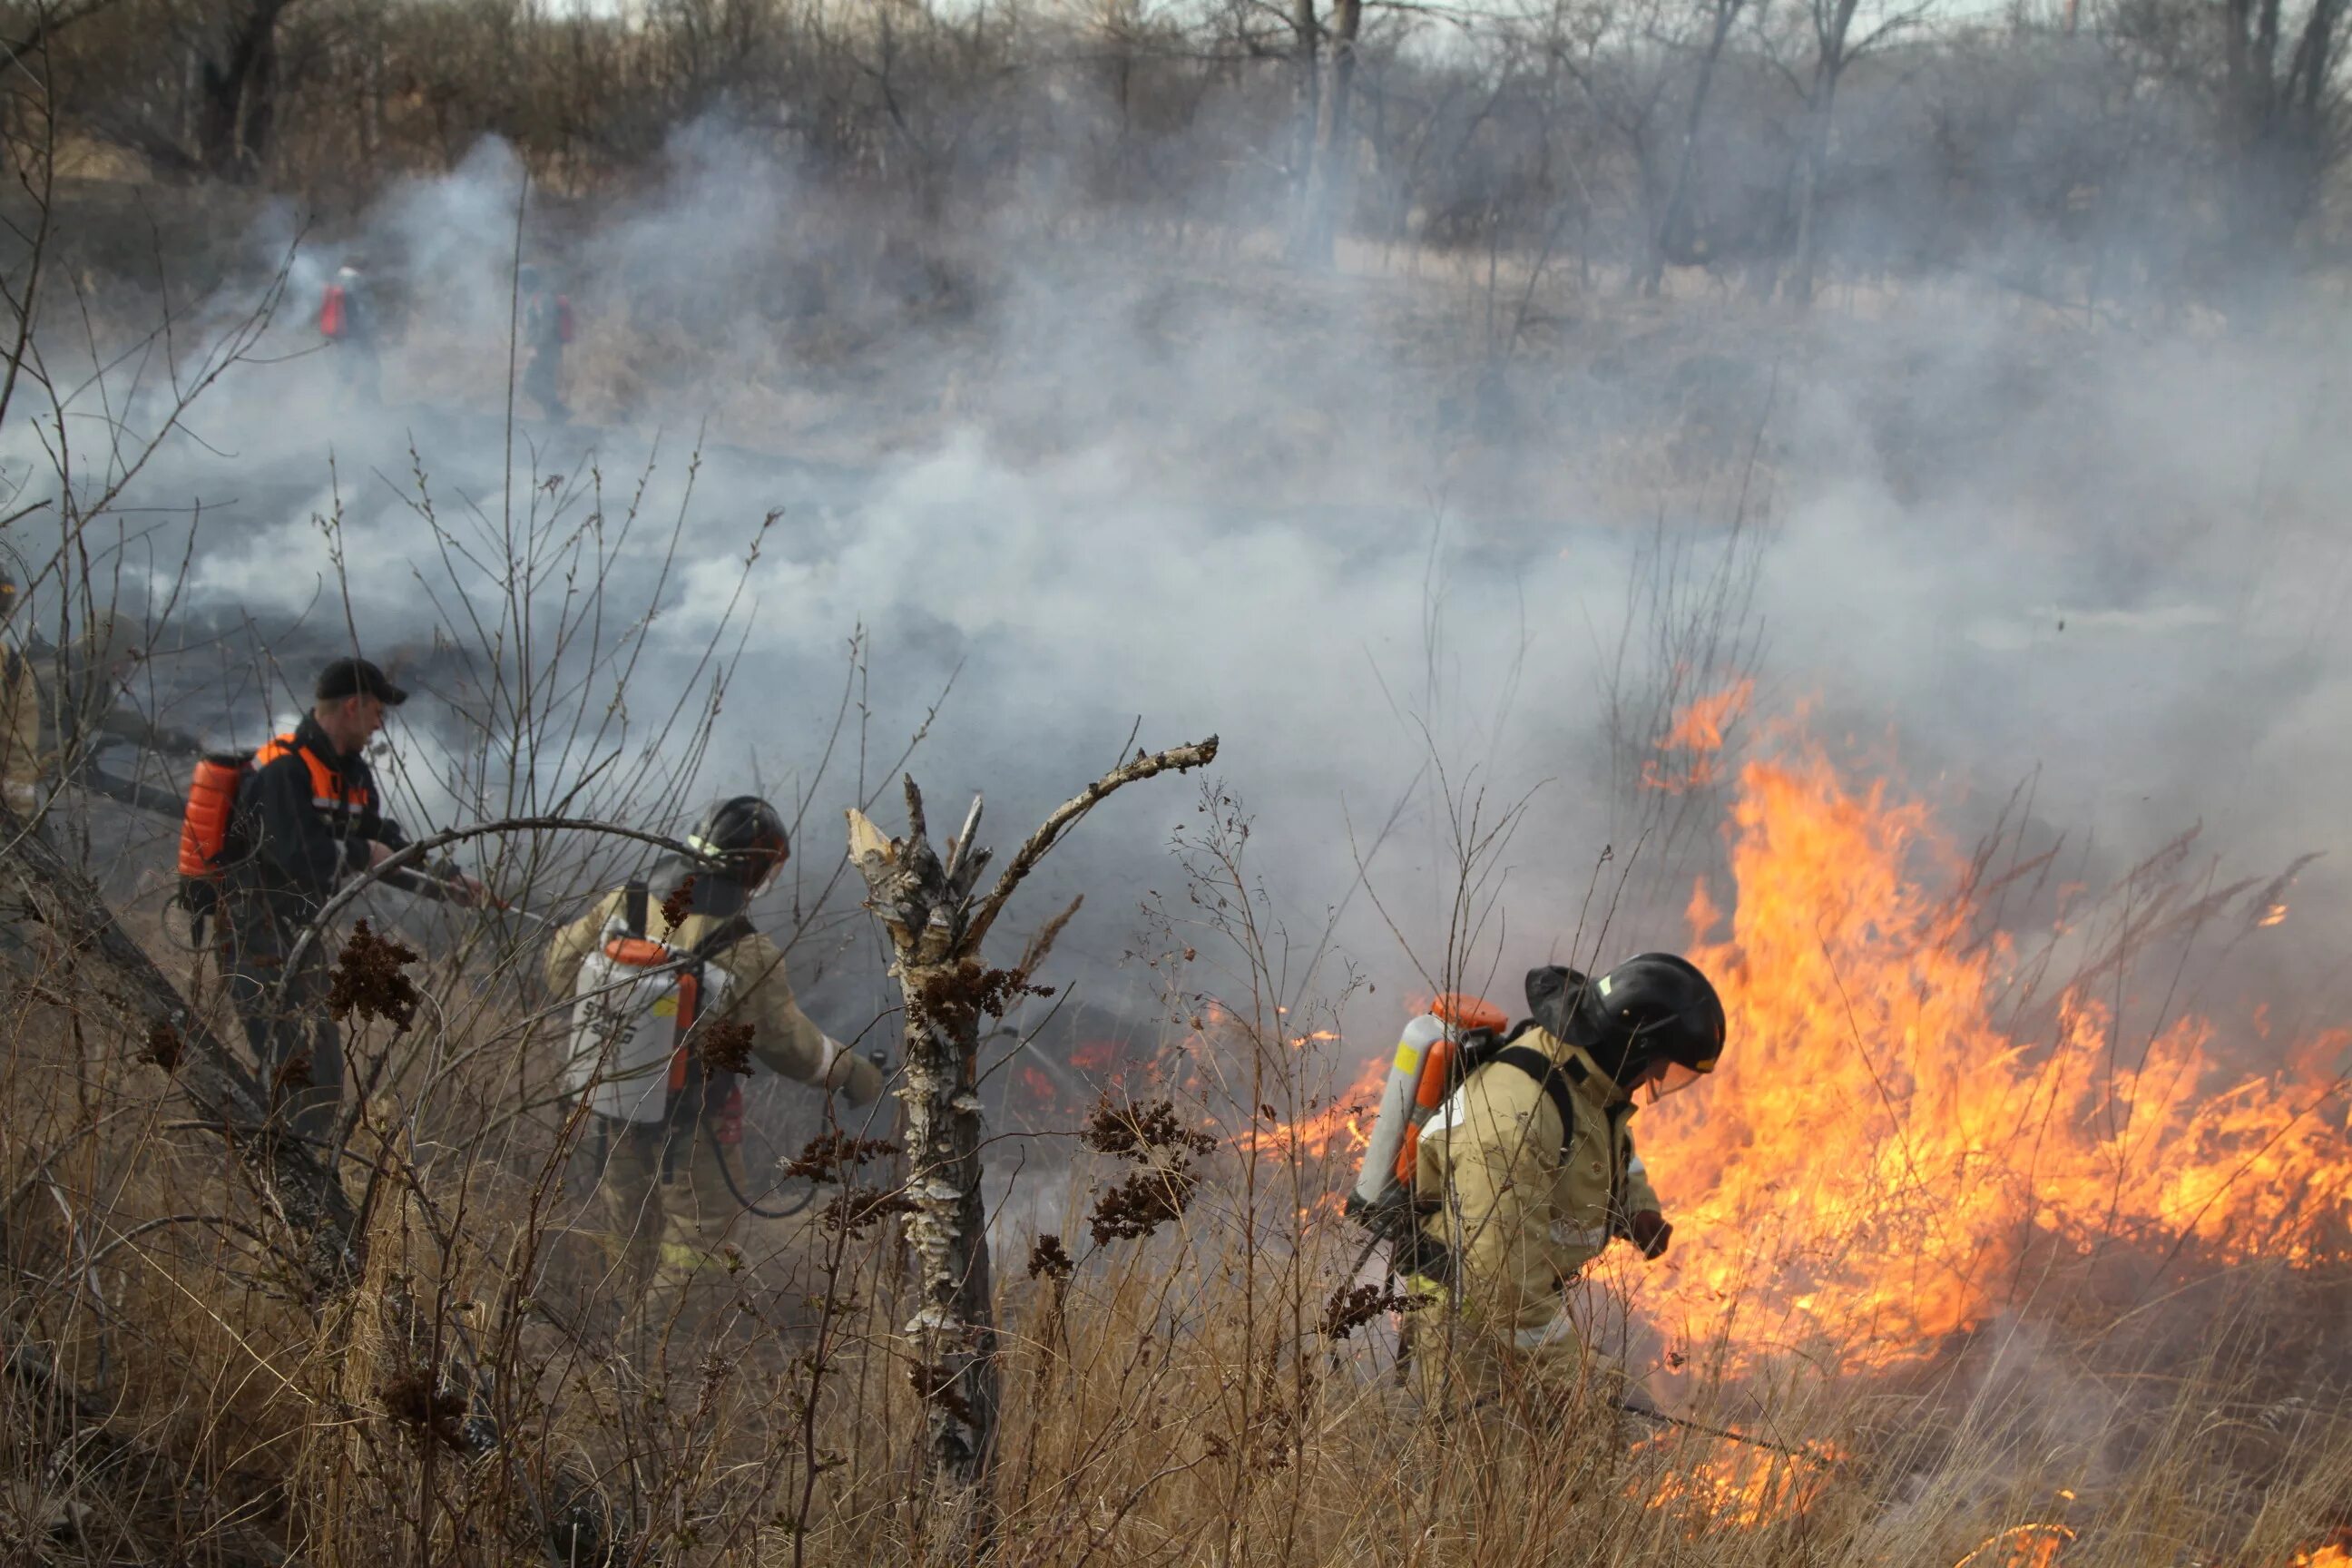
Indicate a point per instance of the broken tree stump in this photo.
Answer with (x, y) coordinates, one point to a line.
(925, 903)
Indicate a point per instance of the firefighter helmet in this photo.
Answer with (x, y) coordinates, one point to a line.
(1653, 1022)
(1659, 1017)
(741, 838)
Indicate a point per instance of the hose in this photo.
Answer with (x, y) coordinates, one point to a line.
(727, 1170)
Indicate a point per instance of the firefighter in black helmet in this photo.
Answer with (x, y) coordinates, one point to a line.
(668, 1199)
(1527, 1171)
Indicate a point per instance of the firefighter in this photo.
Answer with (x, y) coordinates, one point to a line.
(20, 711)
(88, 710)
(669, 1201)
(53, 727)
(308, 817)
(546, 328)
(1527, 1173)
(349, 322)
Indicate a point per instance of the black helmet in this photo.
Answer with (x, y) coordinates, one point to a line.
(1654, 1020)
(743, 838)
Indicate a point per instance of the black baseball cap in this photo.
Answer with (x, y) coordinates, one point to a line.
(354, 678)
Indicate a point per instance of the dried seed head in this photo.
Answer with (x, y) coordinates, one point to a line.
(413, 1398)
(1137, 1130)
(679, 903)
(368, 980)
(857, 1210)
(1048, 1258)
(1352, 1306)
(1143, 1203)
(832, 1154)
(726, 1048)
(163, 1046)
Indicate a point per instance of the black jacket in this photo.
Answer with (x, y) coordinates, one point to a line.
(303, 838)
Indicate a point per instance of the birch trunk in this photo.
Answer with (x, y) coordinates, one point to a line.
(924, 901)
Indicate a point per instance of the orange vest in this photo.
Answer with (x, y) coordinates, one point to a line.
(328, 790)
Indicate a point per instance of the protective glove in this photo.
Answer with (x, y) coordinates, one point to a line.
(1650, 1232)
(858, 1078)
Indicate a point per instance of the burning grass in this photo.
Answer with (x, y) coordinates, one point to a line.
(1964, 1274)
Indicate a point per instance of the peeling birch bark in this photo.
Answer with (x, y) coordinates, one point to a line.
(926, 902)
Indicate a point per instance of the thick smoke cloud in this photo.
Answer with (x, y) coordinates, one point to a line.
(1097, 484)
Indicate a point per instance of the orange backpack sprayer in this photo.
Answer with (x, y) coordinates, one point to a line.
(635, 1053)
(207, 829)
(1436, 1053)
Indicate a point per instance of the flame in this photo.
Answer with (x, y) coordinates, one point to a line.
(1877, 1159)
(1742, 1488)
(1697, 730)
(1094, 1056)
(2274, 915)
(1342, 1126)
(2021, 1546)
(1700, 725)
(2326, 1557)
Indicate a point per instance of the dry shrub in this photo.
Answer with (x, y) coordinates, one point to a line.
(1206, 1382)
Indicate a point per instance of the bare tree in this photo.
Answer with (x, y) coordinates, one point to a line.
(926, 904)
(1834, 48)
(1328, 132)
(237, 113)
(1669, 232)
(2279, 116)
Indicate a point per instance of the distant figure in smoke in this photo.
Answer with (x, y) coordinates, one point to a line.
(347, 320)
(546, 328)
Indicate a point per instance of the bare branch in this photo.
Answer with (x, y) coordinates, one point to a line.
(1181, 758)
(403, 859)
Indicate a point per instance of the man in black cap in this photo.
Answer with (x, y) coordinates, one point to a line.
(308, 817)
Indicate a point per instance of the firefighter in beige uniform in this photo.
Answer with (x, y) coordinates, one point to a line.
(20, 715)
(1527, 1173)
(50, 733)
(668, 1199)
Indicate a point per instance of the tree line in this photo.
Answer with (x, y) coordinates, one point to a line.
(2178, 150)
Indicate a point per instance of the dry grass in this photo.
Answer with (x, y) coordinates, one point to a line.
(1176, 1399)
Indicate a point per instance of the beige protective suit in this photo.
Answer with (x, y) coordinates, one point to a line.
(1520, 1222)
(20, 731)
(667, 1232)
(52, 725)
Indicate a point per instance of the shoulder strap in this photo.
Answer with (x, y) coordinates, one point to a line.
(1550, 1077)
(723, 935)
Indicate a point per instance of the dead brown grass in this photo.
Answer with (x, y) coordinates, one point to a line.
(1177, 1398)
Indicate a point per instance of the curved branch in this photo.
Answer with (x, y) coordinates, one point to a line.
(401, 859)
(1180, 759)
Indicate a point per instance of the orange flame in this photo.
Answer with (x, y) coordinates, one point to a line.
(2021, 1546)
(1700, 725)
(1742, 1488)
(1342, 1126)
(1876, 1157)
(2326, 1557)
(1698, 730)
